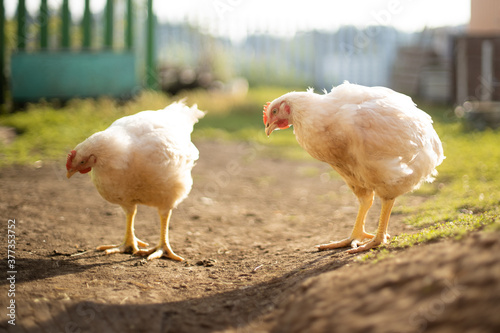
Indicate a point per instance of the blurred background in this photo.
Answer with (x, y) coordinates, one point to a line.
(70, 68)
(444, 51)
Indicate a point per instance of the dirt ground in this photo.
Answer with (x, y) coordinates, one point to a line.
(247, 231)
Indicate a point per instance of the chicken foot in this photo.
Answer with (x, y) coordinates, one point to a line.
(163, 248)
(128, 246)
(130, 243)
(381, 237)
(358, 236)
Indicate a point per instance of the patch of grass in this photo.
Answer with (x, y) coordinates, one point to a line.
(457, 229)
(241, 120)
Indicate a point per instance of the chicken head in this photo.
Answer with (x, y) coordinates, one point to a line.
(79, 163)
(276, 115)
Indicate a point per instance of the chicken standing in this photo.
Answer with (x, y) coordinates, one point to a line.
(375, 138)
(146, 159)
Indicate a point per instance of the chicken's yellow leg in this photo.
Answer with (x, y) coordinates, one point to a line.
(130, 243)
(358, 235)
(381, 236)
(163, 248)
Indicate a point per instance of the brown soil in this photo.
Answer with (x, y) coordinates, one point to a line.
(248, 231)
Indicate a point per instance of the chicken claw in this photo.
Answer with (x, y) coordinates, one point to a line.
(370, 245)
(128, 246)
(354, 241)
(158, 252)
(382, 237)
(163, 248)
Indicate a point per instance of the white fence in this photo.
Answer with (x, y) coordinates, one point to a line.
(312, 58)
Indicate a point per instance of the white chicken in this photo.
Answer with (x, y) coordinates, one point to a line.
(375, 138)
(146, 159)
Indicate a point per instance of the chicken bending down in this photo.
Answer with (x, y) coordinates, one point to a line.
(375, 138)
(145, 159)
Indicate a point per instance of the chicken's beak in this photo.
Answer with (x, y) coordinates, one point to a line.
(70, 173)
(270, 128)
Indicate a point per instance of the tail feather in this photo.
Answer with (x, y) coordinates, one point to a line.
(192, 112)
(195, 113)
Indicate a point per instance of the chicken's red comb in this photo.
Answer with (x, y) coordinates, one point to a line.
(265, 112)
(70, 158)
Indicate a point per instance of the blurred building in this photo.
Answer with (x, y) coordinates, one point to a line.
(485, 17)
(424, 68)
(476, 74)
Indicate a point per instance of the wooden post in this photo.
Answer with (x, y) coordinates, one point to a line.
(108, 31)
(44, 25)
(86, 26)
(66, 24)
(129, 30)
(462, 72)
(21, 24)
(151, 80)
(487, 70)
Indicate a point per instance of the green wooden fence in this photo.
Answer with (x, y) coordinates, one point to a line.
(66, 72)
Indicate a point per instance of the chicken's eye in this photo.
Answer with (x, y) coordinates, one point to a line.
(82, 162)
(275, 111)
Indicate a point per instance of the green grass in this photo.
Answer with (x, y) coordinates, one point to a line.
(464, 197)
(458, 228)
